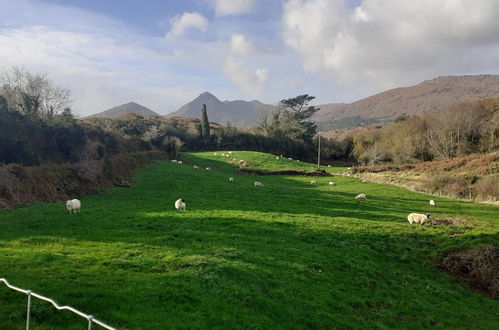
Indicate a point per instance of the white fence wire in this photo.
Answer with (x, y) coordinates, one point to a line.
(30, 294)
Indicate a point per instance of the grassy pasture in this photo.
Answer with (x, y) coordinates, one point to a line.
(287, 255)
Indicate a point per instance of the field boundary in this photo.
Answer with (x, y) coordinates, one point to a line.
(30, 294)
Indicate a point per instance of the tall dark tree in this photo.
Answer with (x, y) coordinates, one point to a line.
(205, 124)
(297, 114)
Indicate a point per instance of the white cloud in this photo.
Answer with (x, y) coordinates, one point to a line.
(234, 7)
(251, 82)
(393, 42)
(180, 24)
(239, 44)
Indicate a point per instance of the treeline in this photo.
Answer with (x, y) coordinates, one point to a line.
(462, 129)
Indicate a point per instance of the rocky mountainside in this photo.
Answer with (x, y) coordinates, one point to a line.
(426, 97)
(237, 113)
(130, 107)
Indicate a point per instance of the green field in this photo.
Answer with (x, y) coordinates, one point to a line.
(287, 255)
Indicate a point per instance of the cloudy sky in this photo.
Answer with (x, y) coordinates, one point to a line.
(163, 53)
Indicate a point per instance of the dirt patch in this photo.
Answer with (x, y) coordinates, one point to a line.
(451, 221)
(283, 172)
(479, 268)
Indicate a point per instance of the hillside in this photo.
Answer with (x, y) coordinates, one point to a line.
(427, 97)
(286, 255)
(239, 113)
(130, 107)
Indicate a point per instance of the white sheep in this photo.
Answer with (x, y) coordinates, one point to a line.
(258, 184)
(208, 169)
(432, 202)
(223, 155)
(329, 166)
(277, 157)
(418, 218)
(313, 182)
(180, 204)
(174, 161)
(179, 162)
(290, 158)
(231, 179)
(73, 205)
(361, 197)
(230, 152)
(215, 154)
(331, 183)
(196, 167)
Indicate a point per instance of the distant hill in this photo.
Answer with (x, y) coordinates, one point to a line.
(426, 97)
(130, 107)
(238, 113)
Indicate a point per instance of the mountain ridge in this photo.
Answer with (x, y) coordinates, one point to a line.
(130, 107)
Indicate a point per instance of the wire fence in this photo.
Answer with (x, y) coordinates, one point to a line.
(30, 294)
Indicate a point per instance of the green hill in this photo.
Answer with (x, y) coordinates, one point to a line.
(286, 255)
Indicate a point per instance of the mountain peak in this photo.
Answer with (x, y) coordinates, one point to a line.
(130, 107)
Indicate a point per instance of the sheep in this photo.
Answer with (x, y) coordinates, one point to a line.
(208, 169)
(290, 158)
(361, 197)
(174, 161)
(432, 202)
(231, 179)
(215, 154)
(329, 166)
(277, 157)
(180, 204)
(418, 218)
(73, 205)
(196, 167)
(230, 152)
(179, 162)
(313, 182)
(331, 183)
(258, 184)
(223, 155)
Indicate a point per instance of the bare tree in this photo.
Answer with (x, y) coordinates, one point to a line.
(33, 94)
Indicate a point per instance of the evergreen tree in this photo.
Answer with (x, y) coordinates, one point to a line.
(205, 125)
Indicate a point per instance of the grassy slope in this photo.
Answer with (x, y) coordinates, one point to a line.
(288, 255)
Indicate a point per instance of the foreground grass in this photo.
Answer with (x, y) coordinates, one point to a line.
(286, 255)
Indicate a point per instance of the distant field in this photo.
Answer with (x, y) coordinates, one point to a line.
(287, 255)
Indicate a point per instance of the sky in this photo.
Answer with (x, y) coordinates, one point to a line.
(164, 53)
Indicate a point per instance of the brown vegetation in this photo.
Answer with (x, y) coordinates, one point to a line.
(479, 268)
(283, 172)
(54, 182)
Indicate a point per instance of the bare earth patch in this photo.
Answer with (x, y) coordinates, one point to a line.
(479, 268)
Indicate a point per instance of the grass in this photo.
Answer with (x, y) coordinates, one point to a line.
(287, 255)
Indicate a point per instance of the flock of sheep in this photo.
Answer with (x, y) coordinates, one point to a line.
(74, 205)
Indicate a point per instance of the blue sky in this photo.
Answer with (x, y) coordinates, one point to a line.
(162, 54)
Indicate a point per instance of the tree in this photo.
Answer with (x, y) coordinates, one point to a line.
(33, 94)
(296, 114)
(205, 124)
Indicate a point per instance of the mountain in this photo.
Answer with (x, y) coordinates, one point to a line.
(426, 97)
(238, 113)
(130, 107)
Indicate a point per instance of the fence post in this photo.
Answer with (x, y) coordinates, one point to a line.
(28, 311)
(90, 317)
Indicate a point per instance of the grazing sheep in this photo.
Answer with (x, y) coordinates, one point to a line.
(432, 202)
(277, 157)
(418, 218)
(231, 179)
(227, 156)
(215, 154)
(73, 205)
(290, 158)
(258, 184)
(331, 183)
(230, 152)
(196, 167)
(223, 155)
(313, 182)
(174, 161)
(208, 169)
(241, 161)
(180, 204)
(361, 197)
(329, 166)
(179, 162)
